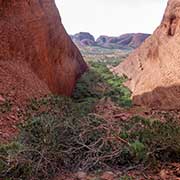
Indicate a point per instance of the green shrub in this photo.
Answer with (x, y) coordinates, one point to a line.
(5, 107)
(153, 140)
(67, 135)
(11, 162)
(138, 150)
(98, 83)
(64, 135)
(126, 178)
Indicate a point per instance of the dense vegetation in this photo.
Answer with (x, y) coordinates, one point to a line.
(110, 57)
(66, 134)
(100, 83)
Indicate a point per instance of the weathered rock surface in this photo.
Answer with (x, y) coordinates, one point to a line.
(36, 54)
(153, 70)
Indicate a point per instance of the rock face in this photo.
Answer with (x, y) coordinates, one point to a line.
(36, 54)
(153, 70)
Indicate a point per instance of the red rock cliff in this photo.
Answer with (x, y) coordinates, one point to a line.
(153, 70)
(36, 54)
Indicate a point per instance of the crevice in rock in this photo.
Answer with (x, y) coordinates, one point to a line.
(172, 25)
(140, 65)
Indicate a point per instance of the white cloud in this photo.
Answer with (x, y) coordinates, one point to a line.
(111, 17)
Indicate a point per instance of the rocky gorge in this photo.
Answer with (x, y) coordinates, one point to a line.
(153, 69)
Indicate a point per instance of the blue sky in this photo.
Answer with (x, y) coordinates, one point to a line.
(111, 17)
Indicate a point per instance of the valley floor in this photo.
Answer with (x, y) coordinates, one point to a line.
(97, 134)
